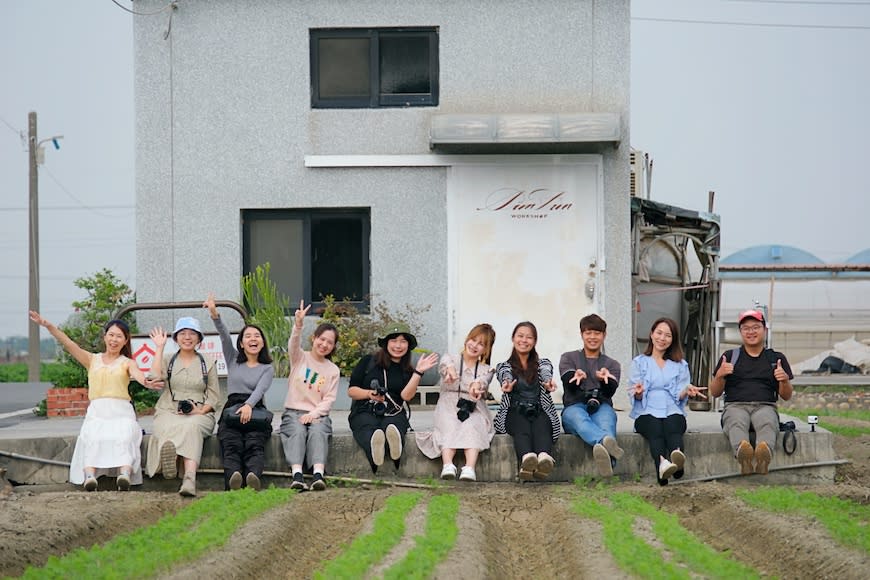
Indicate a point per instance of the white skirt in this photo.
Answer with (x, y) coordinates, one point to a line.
(110, 438)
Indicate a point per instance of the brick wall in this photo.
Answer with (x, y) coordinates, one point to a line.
(68, 402)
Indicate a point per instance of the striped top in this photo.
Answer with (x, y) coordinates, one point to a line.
(545, 373)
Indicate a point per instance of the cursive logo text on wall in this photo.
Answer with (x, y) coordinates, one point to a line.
(539, 203)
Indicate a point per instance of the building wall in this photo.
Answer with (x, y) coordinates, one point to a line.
(224, 121)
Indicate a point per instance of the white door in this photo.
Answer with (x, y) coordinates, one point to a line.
(524, 242)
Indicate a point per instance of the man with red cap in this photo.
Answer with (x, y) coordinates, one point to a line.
(753, 378)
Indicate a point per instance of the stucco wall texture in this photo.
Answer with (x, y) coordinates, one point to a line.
(224, 122)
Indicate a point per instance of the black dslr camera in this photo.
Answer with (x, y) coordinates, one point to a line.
(379, 408)
(593, 400)
(185, 407)
(465, 407)
(528, 409)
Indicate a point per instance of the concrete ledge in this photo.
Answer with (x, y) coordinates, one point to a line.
(708, 455)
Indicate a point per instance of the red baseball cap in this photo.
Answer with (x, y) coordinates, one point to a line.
(750, 314)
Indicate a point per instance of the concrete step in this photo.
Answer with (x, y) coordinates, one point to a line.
(708, 456)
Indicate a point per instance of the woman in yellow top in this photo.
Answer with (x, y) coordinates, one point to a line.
(108, 443)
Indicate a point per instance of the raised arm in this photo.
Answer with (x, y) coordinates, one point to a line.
(229, 349)
(294, 345)
(81, 355)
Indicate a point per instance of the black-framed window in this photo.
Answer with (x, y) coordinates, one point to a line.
(312, 252)
(374, 67)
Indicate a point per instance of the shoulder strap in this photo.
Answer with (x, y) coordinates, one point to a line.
(735, 354)
(202, 365)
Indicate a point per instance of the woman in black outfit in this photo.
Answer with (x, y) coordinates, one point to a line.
(380, 385)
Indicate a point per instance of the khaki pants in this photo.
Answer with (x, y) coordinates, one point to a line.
(737, 418)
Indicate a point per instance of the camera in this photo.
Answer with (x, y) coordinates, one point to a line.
(379, 408)
(465, 408)
(528, 409)
(812, 421)
(185, 407)
(593, 400)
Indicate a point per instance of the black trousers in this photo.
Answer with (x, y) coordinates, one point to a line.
(663, 435)
(364, 424)
(530, 435)
(242, 451)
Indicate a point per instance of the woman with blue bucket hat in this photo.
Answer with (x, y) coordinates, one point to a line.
(185, 412)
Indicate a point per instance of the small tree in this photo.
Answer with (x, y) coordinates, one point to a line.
(106, 294)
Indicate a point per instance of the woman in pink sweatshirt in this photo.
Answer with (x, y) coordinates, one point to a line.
(305, 425)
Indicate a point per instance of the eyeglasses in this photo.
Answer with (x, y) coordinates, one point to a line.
(753, 328)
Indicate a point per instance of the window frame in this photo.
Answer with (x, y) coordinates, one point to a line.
(305, 215)
(375, 100)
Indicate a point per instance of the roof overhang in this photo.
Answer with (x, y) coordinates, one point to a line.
(524, 128)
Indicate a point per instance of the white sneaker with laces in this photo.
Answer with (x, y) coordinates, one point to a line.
(378, 442)
(667, 469)
(448, 471)
(467, 474)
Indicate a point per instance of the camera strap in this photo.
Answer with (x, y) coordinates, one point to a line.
(169, 373)
(461, 368)
(396, 408)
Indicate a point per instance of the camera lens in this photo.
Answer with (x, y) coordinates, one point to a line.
(185, 407)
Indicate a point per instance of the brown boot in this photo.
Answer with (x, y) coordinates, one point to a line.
(745, 456)
(762, 458)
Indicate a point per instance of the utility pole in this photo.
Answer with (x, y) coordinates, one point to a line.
(33, 294)
(36, 157)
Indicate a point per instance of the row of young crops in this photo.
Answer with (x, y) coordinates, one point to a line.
(642, 540)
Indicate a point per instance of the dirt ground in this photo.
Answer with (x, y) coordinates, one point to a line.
(505, 531)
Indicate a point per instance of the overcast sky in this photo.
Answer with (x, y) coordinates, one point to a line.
(764, 102)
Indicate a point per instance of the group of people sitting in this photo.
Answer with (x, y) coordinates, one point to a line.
(752, 378)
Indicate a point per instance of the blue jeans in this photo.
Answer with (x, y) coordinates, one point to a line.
(590, 428)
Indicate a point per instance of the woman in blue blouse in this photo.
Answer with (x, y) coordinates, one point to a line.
(658, 390)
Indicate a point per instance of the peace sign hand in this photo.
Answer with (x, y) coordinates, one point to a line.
(301, 312)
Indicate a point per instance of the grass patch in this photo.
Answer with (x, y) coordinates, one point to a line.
(202, 526)
(367, 550)
(433, 547)
(847, 522)
(689, 557)
(844, 430)
(856, 414)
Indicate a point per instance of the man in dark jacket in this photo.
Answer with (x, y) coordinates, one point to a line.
(590, 379)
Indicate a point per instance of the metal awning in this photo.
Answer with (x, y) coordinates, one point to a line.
(471, 128)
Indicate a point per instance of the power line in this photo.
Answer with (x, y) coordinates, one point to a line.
(753, 24)
(74, 198)
(807, 2)
(156, 12)
(69, 208)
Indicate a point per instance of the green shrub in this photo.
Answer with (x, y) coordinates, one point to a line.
(358, 333)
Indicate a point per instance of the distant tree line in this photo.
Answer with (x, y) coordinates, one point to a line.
(14, 349)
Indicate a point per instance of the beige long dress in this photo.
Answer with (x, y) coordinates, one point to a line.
(185, 431)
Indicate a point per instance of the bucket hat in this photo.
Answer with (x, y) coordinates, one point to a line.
(189, 323)
(399, 328)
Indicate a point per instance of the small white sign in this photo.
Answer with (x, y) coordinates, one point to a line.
(144, 349)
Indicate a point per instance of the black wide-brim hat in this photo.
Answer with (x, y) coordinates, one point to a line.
(397, 330)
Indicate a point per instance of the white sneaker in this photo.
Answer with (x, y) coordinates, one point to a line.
(602, 460)
(666, 469)
(528, 466)
(467, 474)
(546, 463)
(378, 441)
(394, 440)
(448, 471)
(678, 458)
(90, 483)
